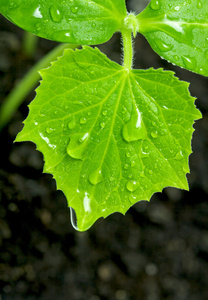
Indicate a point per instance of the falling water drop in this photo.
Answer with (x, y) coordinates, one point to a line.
(132, 186)
(77, 145)
(73, 218)
(134, 129)
(95, 177)
(55, 13)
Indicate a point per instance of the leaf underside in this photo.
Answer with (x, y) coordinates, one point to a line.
(178, 31)
(110, 137)
(71, 21)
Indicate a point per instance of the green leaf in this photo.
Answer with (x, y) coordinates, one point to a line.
(178, 31)
(110, 137)
(72, 21)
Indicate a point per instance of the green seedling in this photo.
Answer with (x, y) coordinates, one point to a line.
(112, 135)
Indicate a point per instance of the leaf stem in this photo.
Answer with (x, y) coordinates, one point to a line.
(127, 48)
(18, 94)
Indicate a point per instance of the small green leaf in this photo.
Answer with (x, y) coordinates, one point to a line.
(178, 31)
(110, 137)
(72, 21)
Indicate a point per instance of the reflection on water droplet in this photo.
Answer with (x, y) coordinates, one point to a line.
(83, 120)
(104, 112)
(164, 47)
(134, 129)
(102, 125)
(37, 13)
(132, 186)
(155, 4)
(133, 163)
(176, 57)
(77, 145)
(49, 130)
(55, 13)
(72, 123)
(96, 177)
(189, 62)
(73, 218)
(74, 9)
(177, 8)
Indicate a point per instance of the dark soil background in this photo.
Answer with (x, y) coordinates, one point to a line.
(159, 250)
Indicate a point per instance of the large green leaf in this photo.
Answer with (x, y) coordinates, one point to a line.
(110, 137)
(178, 31)
(72, 21)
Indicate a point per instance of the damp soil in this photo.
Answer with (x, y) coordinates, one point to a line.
(159, 250)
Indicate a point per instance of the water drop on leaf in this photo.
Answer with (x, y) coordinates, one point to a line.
(74, 9)
(96, 177)
(199, 4)
(55, 13)
(155, 4)
(189, 62)
(77, 145)
(83, 120)
(164, 47)
(73, 218)
(154, 134)
(134, 129)
(179, 155)
(131, 186)
(72, 123)
(49, 130)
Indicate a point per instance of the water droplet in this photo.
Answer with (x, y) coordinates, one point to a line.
(154, 134)
(128, 154)
(49, 130)
(74, 9)
(150, 172)
(55, 13)
(72, 123)
(155, 4)
(132, 186)
(133, 163)
(93, 24)
(104, 112)
(189, 62)
(96, 177)
(73, 218)
(164, 47)
(37, 13)
(77, 145)
(82, 120)
(177, 8)
(102, 125)
(134, 129)
(126, 166)
(199, 4)
(179, 155)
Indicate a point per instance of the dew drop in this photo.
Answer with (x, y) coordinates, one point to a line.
(82, 120)
(128, 154)
(134, 129)
(104, 112)
(96, 177)
(93, 24)
(132, 186)
(133, 163)
(164, 47)
(155, 4)
(49, 130)
(189, 62)
(73, 218)
(74, 9)
(154, 134)
(176, 57)
(55, 13)
(72, 123)
(150, 172)
(126, 166)
(77, 145)
(102, 125)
